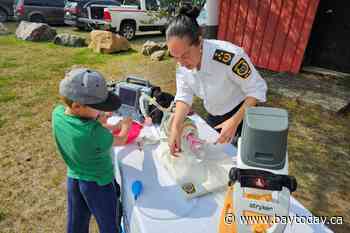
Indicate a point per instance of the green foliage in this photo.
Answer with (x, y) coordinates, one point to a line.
(166, 3)
(198, 2)
(2, 215)
(164, 6)
(7, 97)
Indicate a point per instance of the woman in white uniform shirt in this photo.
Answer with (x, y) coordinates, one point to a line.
(217, 71)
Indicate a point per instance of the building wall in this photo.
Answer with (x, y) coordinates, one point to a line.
(274, 33)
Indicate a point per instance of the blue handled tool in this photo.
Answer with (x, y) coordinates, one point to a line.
(136, 189)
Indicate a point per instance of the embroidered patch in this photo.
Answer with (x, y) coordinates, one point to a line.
(189, 188)
(223, 56)
(242, 68)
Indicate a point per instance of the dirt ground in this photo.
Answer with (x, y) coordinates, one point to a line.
(32, 180)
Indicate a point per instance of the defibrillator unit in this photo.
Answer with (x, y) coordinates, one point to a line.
(129, 91)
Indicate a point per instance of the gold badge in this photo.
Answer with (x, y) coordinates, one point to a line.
(188, 188)
(223, 56)
(242, 68)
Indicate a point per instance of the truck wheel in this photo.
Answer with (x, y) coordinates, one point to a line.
(3, 15)
(127, 29)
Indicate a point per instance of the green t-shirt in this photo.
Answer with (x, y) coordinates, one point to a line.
(85, 146)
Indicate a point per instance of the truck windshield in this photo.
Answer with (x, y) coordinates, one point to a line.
(132, 2)
(152, 5)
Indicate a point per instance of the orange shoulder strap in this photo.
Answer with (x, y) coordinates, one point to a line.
(227, 222)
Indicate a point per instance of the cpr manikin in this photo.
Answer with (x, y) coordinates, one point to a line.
(200, 167)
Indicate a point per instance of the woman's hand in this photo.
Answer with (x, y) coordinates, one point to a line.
(174, 141)
(228, 130)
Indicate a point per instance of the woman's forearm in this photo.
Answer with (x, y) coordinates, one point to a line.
(248, 102)
(181, 111)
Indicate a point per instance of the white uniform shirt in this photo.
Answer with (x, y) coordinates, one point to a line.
(225, 79)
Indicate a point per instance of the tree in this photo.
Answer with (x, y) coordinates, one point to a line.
(199, 3)
(168, 9)
(167, 3)
(176, 3)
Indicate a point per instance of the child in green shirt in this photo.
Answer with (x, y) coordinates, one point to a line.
(84, 141)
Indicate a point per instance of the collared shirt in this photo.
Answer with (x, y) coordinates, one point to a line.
(225, 79)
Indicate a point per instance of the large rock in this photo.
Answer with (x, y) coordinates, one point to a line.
(66, 39)
(108, 42)
(163, 46)
(3, 30)
(150, 47)
(35, 31)
(158, 55)
(345, 110)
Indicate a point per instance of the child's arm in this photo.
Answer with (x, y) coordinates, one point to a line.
(102, 118)
(123, 125)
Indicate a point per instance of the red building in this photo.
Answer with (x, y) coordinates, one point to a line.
(274, 33)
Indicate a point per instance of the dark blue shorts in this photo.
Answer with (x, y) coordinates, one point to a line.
(86, 198)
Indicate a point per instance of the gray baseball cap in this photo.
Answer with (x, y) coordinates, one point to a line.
(88, 87)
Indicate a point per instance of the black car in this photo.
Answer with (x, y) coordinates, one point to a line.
(41, 11)
(86, 14)
(6, 10)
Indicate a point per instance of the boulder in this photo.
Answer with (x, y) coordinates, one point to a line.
(35, 31)
(163, 46)
(158, 55)
(3, 30)
(107, 42)
(66, 39)
(150, 47)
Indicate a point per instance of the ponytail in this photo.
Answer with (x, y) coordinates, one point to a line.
(185, 25)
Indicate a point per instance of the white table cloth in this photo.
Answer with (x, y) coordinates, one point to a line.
(163, 208)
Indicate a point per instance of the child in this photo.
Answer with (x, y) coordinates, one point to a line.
(80, 132)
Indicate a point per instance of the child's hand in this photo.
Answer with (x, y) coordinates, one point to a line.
(148, 121)
(125, 125)
(103, 116)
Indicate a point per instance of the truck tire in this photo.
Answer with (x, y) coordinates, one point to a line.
(3, 15)
(128, 29)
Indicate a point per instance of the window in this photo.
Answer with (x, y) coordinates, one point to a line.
(132, 3)
(152, 5)
(55, 3)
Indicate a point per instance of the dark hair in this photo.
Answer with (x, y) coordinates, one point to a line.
(185, 25)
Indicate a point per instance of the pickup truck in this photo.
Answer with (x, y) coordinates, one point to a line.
(125, 17)
(86, 14)
(135, 16)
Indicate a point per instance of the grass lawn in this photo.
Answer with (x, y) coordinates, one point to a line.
(32, 180)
